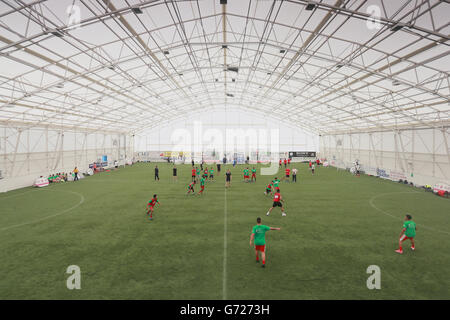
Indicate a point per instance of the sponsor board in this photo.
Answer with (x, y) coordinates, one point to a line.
(441, 187)
(41, 182)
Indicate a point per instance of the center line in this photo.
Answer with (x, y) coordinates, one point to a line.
(224, 278)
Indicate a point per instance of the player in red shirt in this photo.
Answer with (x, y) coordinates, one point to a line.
(280, 163)
(285, 162)
(253, 174)
(310, 164)
(277, 202)
(288, 173)
(289, 161)
(318, 161)
(151, 206)
(193, 173)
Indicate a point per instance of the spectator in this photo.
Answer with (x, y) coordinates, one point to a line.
(294, 175)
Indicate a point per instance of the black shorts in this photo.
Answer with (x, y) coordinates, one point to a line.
(276, 204)
(211, 176)
(287, 176)
(228, 180)
(268, 190)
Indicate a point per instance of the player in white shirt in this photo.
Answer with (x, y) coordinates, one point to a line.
(312, 168)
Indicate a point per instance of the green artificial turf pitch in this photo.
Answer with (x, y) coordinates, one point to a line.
(197, 247)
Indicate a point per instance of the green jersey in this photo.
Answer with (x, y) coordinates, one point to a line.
(253, 170)
(276, 182)
(202, 181)
(410, 227)
(198, 171)
(245, 172)
(260, 234)
(211, 172)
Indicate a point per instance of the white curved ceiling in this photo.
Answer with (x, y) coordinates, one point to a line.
(328, 69)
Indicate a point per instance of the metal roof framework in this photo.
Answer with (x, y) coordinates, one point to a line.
(327, 66)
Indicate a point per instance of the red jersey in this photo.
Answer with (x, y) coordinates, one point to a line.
(280, 161)
(310, 164)
(288, 171)
(193, 172)
(285, 161)
(277, 197)
(269, 186)
(317, 161)
(153, 202)
(289, 161)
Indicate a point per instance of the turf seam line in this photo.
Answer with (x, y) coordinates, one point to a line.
(224, 277)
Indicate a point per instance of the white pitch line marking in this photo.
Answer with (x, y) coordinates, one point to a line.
(395, 217)
(50, 216)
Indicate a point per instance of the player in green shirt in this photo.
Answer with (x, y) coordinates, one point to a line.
(259, 235)
(408, 232)
(211, 174)
(276, 183)
(202, 185)
(246, 175)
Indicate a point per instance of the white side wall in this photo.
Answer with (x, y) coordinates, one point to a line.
(420, 155)
(27, 153)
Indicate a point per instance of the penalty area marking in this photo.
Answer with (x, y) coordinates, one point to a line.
(50, 216)
(398, 218)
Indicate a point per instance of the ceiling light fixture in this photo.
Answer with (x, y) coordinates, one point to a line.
(397, 27)
(137, 10)
(310, 6)
(57, 33)
(234, 69)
